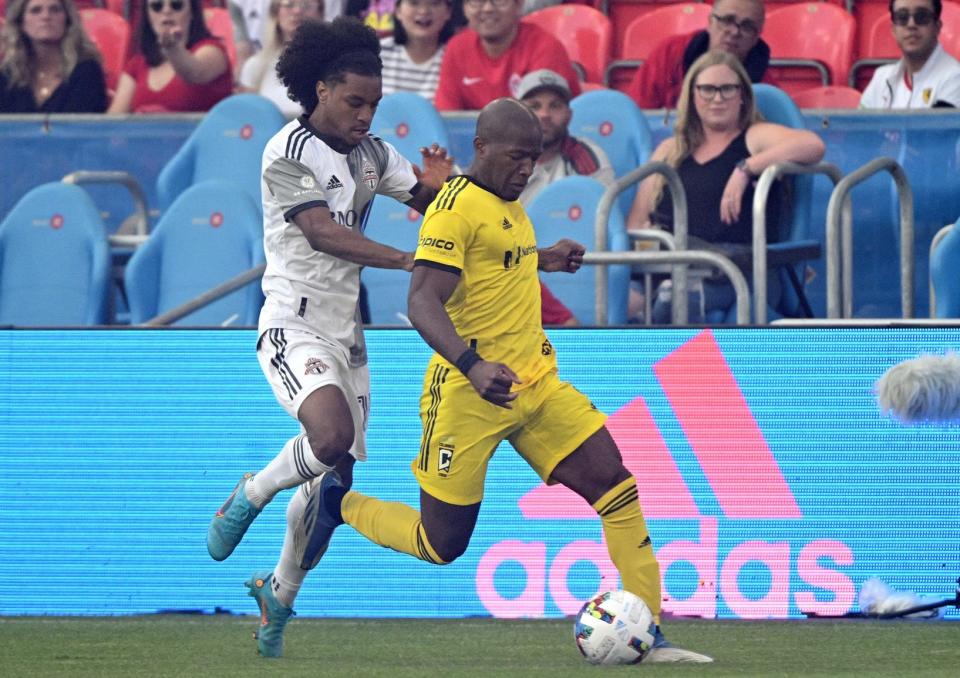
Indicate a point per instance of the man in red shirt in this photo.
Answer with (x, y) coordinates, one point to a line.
(734, 27)
(487, 59)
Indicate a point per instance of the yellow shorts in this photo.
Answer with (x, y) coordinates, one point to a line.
(549, 420)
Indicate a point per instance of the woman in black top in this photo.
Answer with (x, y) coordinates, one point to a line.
(49, 64)
(719, 147)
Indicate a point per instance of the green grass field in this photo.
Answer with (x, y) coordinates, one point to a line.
(195, 646)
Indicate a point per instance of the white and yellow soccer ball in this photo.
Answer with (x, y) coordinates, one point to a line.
(615, 627)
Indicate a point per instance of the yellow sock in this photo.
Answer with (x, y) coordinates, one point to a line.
(390, 524)
(628, 543)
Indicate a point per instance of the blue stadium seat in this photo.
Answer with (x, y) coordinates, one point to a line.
(54, 260)
(409, 122)
(945, 274)
(392, 223)
(210, 234)
(612, 120)
(567, 209)
(227, 144)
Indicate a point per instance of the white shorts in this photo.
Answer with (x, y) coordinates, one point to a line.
(297, 363)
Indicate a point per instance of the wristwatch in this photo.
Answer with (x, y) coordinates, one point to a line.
(743, 167)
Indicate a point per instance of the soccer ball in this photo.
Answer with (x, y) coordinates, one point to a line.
(616, 627)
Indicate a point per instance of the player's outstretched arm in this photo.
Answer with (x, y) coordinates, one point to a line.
(437, 167)
(430, 288)
(565, 256)
(326, 235)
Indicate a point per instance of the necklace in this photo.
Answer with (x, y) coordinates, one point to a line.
(46, 83)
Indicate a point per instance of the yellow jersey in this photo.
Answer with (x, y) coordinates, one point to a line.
(491, 245)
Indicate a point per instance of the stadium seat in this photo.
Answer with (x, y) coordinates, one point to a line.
(221, 25)
(392, 223)
(945, 274)
(210, 234)
(409, 122)
(586, 33)
(812, 44)
(54, 260)
(613, 121)
(622, 13)
(227, 144)
(828, 96)
(567, 209)
(110, 32)
(646, 31)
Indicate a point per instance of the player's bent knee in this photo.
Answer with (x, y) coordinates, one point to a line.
(332, 443)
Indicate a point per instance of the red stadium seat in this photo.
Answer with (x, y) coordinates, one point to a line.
(811, 44)
(585, 31)
(828, 96)
(646, 31)
(110, 32)
(219, 22)
(623, 12)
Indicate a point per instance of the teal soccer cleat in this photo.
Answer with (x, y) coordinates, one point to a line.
(273, 615)
(665, 652)
(230, 522)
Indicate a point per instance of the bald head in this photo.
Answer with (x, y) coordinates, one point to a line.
(507, 146)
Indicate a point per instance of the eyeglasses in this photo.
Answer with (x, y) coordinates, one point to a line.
(921, 17)
(729, 22)
(709, 92)
(304, 5)
(478, 4)
(156, 6)
(428, 4)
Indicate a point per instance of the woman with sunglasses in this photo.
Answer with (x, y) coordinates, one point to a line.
(719, 148)
(49, 64)
(259, 72)
(180, 67)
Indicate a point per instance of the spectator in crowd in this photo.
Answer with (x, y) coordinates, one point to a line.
(926, 76)
(49, 64)
(548, 95)
(180, 65)
(734, 27)
(412, 55)
(719, 147)
(249, 27)
(487, 60)
(259, 73)
(377, 14)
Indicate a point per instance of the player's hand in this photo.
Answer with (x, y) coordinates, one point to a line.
(565, 256)
(493, 382)
(407, 261)
(437, 167)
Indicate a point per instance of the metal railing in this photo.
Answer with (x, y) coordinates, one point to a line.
(208, 297)
(840, 238)
(680, 306)
(760, 196)
(129, 182)
(938, 236)
(736, 277)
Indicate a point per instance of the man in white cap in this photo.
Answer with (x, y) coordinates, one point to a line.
(548, 95)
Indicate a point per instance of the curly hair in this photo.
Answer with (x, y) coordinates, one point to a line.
(147, 38)
(327, 52)
(18, 55)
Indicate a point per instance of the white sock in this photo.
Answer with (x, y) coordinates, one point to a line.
(288, 575)
(294, 466)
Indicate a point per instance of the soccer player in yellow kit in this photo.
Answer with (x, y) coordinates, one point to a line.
(475, 299)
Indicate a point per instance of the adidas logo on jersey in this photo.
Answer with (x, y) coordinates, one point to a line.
(334, 183)
(506, 224)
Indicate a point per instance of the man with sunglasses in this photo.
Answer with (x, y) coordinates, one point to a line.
(488, 59)
(734, 26)
(926, 76)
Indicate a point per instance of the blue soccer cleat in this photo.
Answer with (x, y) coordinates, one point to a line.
(273, 615)
(315, 528)
(231, 521)
(665, 652)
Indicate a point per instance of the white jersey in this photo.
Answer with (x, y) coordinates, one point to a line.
(306, 289)
(937, 81)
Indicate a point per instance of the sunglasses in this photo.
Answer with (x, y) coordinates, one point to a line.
(921, 17)
(156, 6)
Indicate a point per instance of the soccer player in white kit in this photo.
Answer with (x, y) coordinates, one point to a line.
(320, 174)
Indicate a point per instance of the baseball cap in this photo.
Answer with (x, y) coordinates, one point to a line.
(543, 78)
